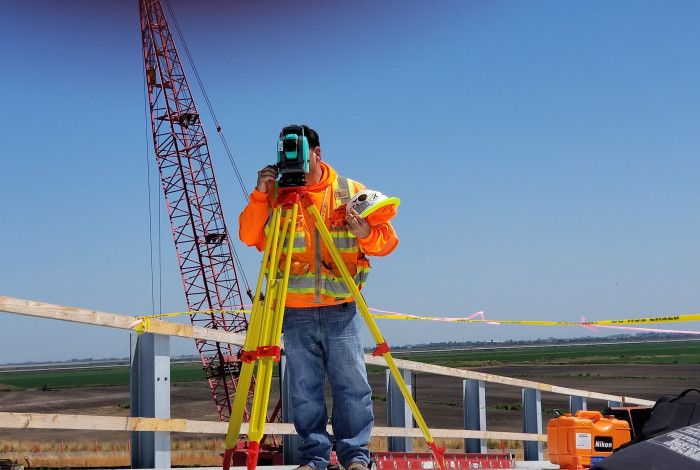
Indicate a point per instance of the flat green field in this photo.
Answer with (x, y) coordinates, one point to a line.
(687, 352)
(89, 377)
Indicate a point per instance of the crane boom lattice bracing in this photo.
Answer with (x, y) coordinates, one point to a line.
(202, 242)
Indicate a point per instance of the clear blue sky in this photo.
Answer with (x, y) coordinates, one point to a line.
(545, 152)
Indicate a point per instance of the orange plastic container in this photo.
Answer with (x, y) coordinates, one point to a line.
(586, 434)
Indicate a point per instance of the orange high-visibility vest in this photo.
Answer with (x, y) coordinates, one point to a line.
(314, 279)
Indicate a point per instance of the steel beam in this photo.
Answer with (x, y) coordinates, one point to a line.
(532, 423)
(474, 394)
(150, 398)
(398, 412)
(577, 403)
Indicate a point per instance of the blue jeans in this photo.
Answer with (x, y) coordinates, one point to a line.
(319, 341)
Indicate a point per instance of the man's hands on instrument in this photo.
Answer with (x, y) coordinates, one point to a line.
(357, 225)
(354, 222)
(266, 178)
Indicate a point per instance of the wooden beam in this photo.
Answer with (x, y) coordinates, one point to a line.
(112, 320)
(470, 374)
(116, 423)
(86, 316)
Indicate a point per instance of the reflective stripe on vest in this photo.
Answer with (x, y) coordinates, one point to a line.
(345, 241)
(331, 286)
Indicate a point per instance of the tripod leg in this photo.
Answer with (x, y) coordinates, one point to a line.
(252, 341)
(382, 347)
(269, 349)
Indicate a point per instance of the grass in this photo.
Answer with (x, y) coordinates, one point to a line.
(179, 373)
(651, 353)
(95, 445)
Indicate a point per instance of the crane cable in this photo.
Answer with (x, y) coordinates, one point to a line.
(148, 184)
(200, 83)
(219, 131)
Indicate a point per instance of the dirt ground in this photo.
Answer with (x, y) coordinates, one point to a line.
(439, 398)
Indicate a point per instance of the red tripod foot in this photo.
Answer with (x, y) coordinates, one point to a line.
(228, 455)
(439, 453)
(252, 458)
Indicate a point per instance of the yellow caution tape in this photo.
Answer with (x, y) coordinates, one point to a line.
(665, 319)
(385, 316)
(626, 321)
(144, 322)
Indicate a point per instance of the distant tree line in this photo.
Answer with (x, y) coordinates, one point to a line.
(622, 338)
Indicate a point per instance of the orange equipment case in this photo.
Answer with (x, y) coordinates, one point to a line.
(586, 434)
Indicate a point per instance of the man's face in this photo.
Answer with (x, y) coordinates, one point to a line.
(314, 159)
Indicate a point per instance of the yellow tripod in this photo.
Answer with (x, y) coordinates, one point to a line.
(262, 342)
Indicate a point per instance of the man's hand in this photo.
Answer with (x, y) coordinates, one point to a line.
(357, 225)
(266, 178)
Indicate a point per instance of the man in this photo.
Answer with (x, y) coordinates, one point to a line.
(322, 328)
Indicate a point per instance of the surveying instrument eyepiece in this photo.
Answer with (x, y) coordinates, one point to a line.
(293, 156)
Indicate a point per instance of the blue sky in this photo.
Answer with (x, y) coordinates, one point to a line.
(545, 152)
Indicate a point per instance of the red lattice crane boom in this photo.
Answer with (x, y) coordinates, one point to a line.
(204, 251)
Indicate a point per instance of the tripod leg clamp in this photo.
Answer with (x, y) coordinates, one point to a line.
(249, 356)
(270, 351)
(381, 349)
(262, 351)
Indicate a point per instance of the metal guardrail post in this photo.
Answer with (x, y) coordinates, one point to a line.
(150, 398)
(290, 442)
(577, 403)
(474, 399)
(398, 413)
(532, 423)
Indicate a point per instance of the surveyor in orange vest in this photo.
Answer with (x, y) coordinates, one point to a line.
(322, 328)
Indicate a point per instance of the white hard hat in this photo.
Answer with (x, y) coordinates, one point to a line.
(367, 201)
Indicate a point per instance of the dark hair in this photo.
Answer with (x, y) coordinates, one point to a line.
(311, 136)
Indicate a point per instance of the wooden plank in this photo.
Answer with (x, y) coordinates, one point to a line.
(55, 421)
(116, 423)
(86, 316)
(470, 374)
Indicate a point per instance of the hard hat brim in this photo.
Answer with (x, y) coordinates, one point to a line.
(382, 211)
